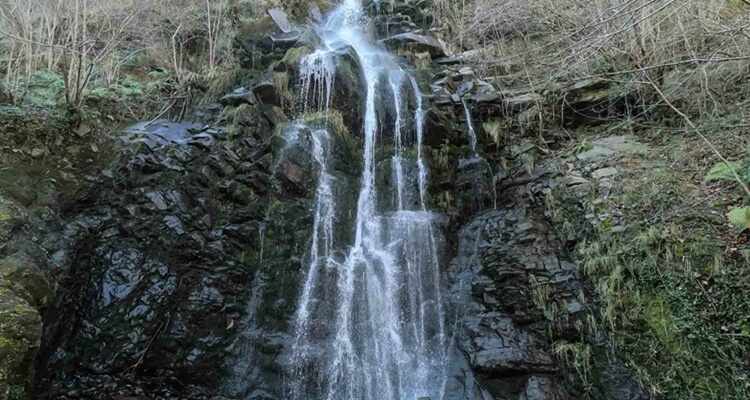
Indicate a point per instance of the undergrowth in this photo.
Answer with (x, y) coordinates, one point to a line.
(672, 286)
(676, 308)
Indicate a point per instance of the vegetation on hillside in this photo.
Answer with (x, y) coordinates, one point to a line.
(84, 50)
(698, 52)
(672, 284)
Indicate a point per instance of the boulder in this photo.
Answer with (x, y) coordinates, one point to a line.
(416, 43)
(587, 91)
(20, 334)
(281, 19)
(285, 41)
(611, 147)
(499, 346)
(522, 102)
(24, 293)
(266, 91)
(238, 96)
(591, 100)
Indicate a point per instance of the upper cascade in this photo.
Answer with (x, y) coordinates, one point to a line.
(370, 321)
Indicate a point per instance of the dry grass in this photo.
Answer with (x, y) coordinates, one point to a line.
(696, 50)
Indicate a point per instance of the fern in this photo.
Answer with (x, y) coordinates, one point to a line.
(724, 172)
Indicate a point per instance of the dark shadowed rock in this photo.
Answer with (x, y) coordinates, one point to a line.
(161, 269)
(618, 384)
(266, 92)
(286, 40)
(416, 43)
(540, 388)
(588, 100)
(508, 327)
(498, 345)
(239, 96)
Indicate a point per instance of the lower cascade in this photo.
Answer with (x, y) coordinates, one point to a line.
(369, 322)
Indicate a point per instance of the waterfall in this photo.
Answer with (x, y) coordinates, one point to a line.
(369, 321)
(419, 121)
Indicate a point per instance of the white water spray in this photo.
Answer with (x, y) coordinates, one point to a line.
(470, 125)
(369, 321)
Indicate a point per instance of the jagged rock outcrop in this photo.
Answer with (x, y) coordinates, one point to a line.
(504, 255)
(522, 305)
(159, 260)
(416, 43)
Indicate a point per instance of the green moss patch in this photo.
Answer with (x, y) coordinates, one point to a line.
(672, 280)
(20, 332)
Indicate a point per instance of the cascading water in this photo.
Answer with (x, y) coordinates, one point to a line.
(470, 126)
(369, 321)
(475, 160)
(419, 122)
(318, 73)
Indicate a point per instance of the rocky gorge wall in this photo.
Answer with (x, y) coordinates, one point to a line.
(176, 273)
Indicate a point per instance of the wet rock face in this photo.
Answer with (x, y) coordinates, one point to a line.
(520, 304)
(183, 264)
(501, 332)
(159, 265)
(416, 43)
(474, 186)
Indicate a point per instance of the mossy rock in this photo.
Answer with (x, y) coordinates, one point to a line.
(9, 214)
(294, 56)
(24, 291)
(20, 334)
(26, 280)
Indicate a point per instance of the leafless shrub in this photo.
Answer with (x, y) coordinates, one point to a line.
(84, 40)
(698, 49)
